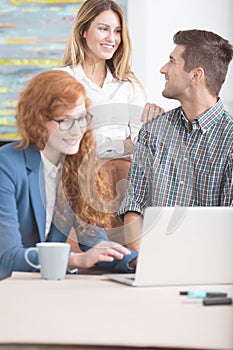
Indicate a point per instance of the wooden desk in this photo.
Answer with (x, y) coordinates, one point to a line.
(94, 312)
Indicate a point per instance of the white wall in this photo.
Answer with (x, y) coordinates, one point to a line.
(152, 24)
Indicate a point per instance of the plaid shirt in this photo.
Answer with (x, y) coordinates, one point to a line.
(182, 163)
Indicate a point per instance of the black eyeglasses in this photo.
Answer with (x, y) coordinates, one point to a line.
(67, 123)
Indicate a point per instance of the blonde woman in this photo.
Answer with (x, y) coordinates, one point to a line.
(98, 54)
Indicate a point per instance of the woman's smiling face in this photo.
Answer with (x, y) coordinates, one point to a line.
(62, 142)
(103, 37)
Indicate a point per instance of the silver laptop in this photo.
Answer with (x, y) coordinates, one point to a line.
(184, 246)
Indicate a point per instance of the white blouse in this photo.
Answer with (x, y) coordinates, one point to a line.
(51, 173)
(116, 108)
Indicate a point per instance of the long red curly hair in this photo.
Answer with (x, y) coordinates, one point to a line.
(48, 94)
(85, 185)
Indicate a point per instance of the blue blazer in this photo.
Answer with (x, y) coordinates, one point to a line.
(23, 213)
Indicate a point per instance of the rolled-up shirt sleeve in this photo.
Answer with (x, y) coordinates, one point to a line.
(136, 197)
(227, 193)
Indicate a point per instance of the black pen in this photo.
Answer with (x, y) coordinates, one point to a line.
(217, 301)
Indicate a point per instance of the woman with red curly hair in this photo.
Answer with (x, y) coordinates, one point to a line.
(52, 117)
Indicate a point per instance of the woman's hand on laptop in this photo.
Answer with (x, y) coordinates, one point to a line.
(105, 251)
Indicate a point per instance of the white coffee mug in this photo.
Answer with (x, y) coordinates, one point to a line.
(53, 259)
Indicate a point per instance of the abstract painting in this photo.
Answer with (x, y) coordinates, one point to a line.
(33, 36)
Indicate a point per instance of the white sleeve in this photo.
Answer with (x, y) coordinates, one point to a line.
(110, 127)
(137, 101)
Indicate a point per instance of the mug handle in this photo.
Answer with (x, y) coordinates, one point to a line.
(27, 258)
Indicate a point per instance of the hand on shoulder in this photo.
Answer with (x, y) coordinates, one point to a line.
(150, 112)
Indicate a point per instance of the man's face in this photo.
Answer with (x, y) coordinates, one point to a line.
(177, 80)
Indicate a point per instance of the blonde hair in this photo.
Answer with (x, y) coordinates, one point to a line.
(76, 48)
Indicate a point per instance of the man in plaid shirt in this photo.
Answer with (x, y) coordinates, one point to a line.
(185, 157)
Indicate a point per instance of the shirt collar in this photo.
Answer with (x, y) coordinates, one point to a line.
(79, 72)
(207, 119)
(109, 77)
(210, 117)
(80, 75)
(50, 169)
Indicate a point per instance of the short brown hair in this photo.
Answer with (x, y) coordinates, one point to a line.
(207, 50)
(46, 95)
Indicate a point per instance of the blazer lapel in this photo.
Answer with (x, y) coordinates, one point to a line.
(36, 188)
